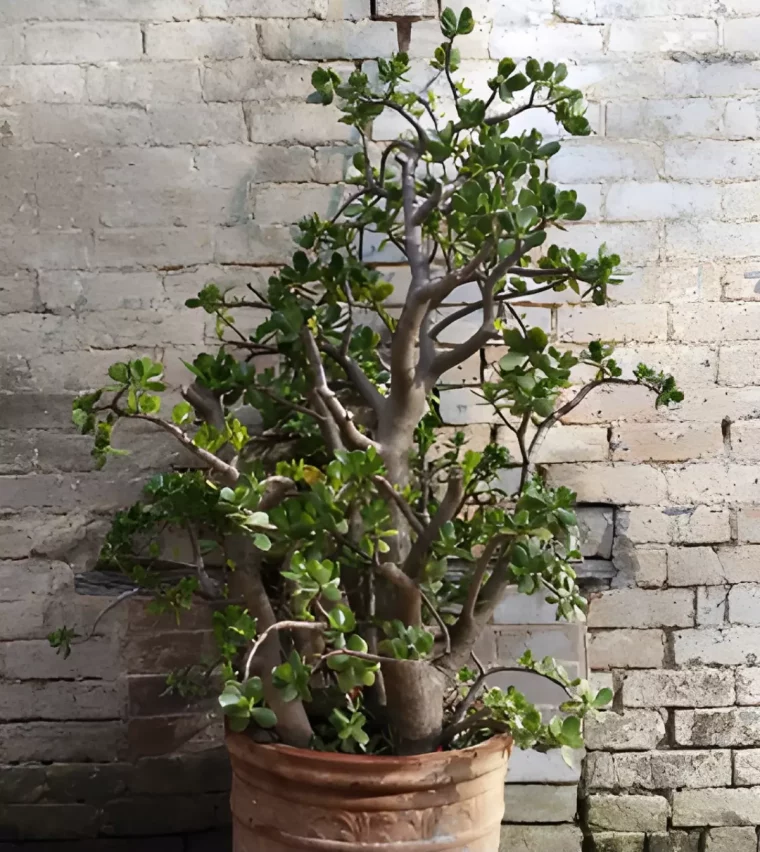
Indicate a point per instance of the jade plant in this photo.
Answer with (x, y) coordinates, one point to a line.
(352, 548)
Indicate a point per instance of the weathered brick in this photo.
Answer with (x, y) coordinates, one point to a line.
(747, 767)
(640, 322)
(716, 807)
(711, 482)
(569, 40)
(628, 813)
(271, 123)
(63, 700)
(711, 159)
(144, 84)
(616, 484)
(82, 42)
(618, 841)
(661, 770)
(667, 119)
(731, 840)
(692, 688)
(678, 524)
(612, 649)
(35, 660)
(62, 741)
(586, 162)
(735, 726)
(642, 609)
(666, 442)
(41, 821)
(645, 567)
(632, 729)
(729, 646)
(201, 40)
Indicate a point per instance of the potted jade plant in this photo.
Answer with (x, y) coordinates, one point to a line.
(352, 554)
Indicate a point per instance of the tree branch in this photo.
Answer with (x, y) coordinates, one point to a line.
(415, 561)
(342, 417)
(390, 492)
(363, 384)
(209, 589)
(468, 609)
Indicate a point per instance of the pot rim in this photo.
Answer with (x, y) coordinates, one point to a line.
(499, 742)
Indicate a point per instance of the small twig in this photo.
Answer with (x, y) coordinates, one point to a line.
(280, 625)
(472, 695)
(124, 596)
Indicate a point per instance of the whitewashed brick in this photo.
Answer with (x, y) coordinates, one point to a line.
(742, 35)
(645, 201)
(644, 567)
(723, 322)
(254, 80)
(426, 36)
(588, 161)
(661, 119)
(748, 524)
(711, 482)
(561, 40)
(730, 646)
(632, 322)
(710, 239)
(628, 813)
(716, 807)
(68, 42)
(613, 649)
(330, 40)
(666, 442)
(633, 729)
(708, 159)
(266, 8)
(712, 605)
(692, 688)
(693, 35)
(739, 365)
(743, 603)
(55, 84)
(741, 282)
(653, 8)
(532, 767)
(673, 284)
(642, 609)
(201, 40)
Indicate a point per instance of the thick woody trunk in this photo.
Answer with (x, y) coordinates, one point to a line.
(414, 694)
(293, 724)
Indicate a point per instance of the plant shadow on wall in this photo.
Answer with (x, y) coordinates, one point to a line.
(325, 539)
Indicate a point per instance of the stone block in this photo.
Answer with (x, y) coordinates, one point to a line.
(533, 767)
(612, 649)
(186, 774)
(93, 783)
(596, 525)
(692, 688)
(609, 841)
(628, 813)
(540, 803)
(675, 841)
(742, 604)
(297, 123)
(394, 10)
(747, 767)
(716, 807)
(632, 729)
(748, 686)
(144, 84)
(731, 840)
(150, 815)
(29, 84)
(633, 201)
(539, 838)
(22, 785)
(748, 524)
(640, 608)
(693, 35)
(645, 567)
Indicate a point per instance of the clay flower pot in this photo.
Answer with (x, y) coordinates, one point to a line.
(287, 800)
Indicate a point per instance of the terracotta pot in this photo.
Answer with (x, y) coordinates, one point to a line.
(288, 800)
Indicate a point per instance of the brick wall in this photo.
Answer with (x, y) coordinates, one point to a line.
(149, 146)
